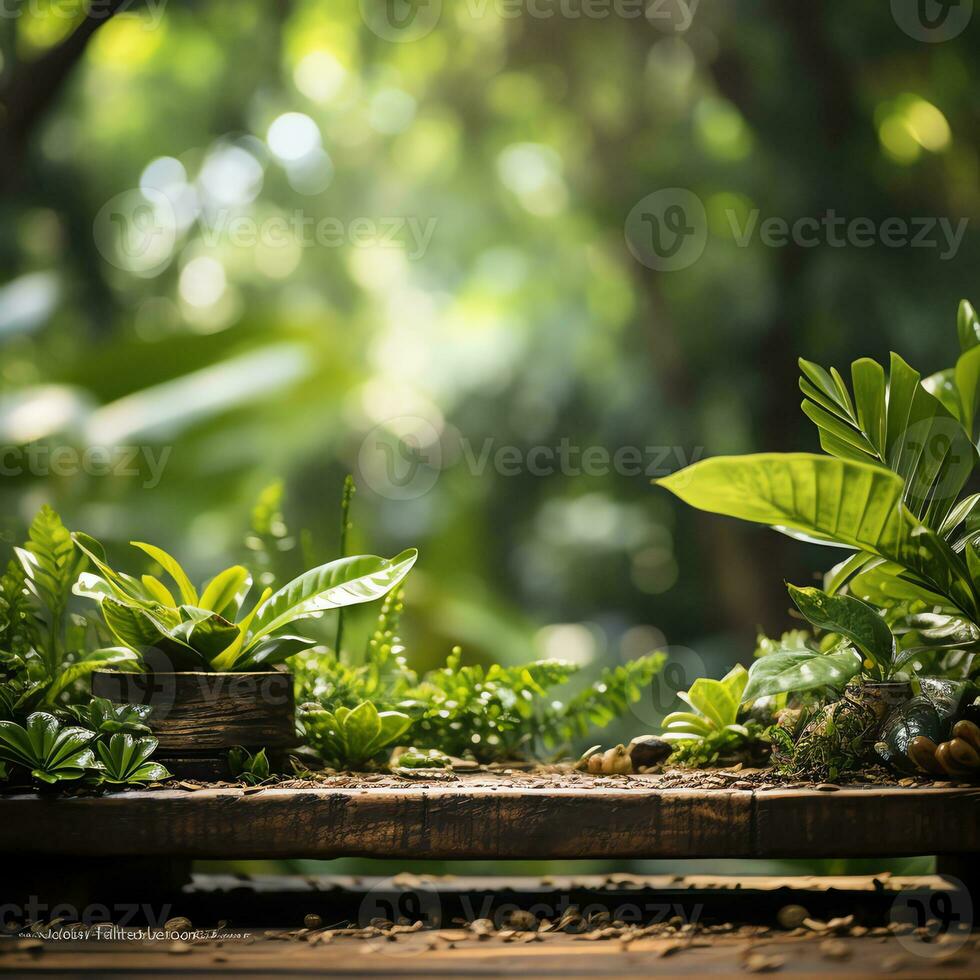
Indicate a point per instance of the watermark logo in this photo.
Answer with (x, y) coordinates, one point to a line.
(136, 231)
(399, 915)
(932, 21)
(667, 230)
(933, 923)
(401, 459)
(682, 668)
(401, 20)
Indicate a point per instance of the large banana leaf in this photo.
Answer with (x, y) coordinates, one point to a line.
(855, 505)
(345, 582)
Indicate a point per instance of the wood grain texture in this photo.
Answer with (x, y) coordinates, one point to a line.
(481, 822)
(198, 711)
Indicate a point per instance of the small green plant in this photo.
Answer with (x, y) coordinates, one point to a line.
(711, 729)
(104, 717)
(352, 737)
(125, 761)
(248, 767)
(208, 630)
(50, 752)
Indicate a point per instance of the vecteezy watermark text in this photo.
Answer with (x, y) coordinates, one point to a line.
(138, 230)
(43, 459)
(836, 231)
(149, 12)
(403, 458)
(667, 230)
(409, 20)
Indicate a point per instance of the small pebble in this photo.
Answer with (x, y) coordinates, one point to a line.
(179, 923)
(522, 920)
(792, 916)
(179, 947)
(312, 921)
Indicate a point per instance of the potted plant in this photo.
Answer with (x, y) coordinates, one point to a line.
(213, 662)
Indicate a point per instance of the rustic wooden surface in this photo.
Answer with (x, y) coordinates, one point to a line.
(550, 957)
(200, 711)
(489, 818)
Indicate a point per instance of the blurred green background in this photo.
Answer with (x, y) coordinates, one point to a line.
(293, 239)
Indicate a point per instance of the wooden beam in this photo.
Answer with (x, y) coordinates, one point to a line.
(484, 822)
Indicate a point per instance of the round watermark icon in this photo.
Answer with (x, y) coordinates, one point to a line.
(681, 669)
(932, 21)
(136, 231)
(931, 922)
(667, 230)
(402, 913)
(401, 20)
(401, 459)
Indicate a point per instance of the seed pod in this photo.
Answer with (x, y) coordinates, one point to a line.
(945, 758)
(963, 753)
(922, 752)
(969, 732)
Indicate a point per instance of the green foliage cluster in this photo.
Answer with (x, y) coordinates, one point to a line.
(52, 752)
(45, 650)
(210, 630)
(899, 452)
(487, 713)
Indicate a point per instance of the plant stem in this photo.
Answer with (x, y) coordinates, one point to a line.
(344, 528)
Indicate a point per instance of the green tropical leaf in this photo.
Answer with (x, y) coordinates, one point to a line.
(114, 657)
(967, 326)
(802, 670)
(225, 593)
(834, 501)
(850, 617)
(718, 701)
(173, 568)
(344, 582)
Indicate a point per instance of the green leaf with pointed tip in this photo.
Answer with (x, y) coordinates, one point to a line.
(205, 631)
(718, 700)
(798, 671)
(850, 617)
(158, 591)
(226, 591)
(856, 505)
(345, 582)
(967, 326)
(173, 568)
(125, 586)
(967, 377)
(115, 657)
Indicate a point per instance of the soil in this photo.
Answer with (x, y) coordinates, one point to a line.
(559, 777)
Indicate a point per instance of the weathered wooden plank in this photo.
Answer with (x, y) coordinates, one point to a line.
(857, 822)
(483, 822)
(556, 956)
(413, 823)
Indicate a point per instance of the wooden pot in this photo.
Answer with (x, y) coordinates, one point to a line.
(198, 711)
